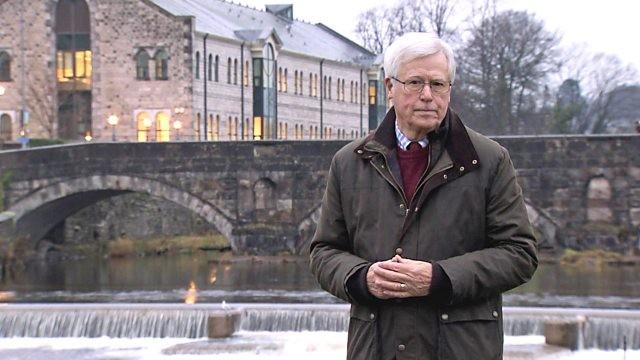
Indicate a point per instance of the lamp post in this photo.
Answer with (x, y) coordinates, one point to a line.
(113, 121)
(177, 125)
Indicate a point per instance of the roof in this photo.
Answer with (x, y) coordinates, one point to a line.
(238, 22)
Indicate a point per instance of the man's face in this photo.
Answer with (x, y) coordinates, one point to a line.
(420, 113)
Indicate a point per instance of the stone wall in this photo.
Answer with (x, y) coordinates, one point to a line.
(132, 216)
(582, 191)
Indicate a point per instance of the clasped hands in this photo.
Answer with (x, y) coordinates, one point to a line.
(399, 278)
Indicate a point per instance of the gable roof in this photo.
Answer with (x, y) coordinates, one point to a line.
(233, 21)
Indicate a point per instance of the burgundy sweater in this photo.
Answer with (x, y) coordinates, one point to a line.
(413, 162)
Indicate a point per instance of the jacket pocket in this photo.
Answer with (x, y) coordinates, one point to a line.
(471, 331)
(362, 342)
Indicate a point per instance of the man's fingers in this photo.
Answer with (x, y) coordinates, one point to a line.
(390, 275)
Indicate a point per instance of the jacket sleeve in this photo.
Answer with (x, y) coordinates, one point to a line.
(332, 260)
(510, 256)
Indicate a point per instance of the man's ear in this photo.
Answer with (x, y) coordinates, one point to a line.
(388, 85)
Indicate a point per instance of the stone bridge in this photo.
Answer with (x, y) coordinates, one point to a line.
(264, 197)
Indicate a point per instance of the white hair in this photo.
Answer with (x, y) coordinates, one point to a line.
(411, 46)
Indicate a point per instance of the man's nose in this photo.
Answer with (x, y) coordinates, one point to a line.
(426, 93)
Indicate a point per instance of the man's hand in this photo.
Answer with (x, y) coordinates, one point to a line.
(399, 278)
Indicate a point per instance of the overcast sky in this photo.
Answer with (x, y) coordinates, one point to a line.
(610, 26)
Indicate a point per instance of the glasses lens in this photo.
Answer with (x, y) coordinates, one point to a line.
(439, 87)
(414, 85)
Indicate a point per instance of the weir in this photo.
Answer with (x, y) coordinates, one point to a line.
(604, 329)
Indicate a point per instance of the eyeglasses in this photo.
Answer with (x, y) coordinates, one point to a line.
(416, 85)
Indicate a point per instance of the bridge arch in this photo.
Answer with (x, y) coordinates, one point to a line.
(41, 210)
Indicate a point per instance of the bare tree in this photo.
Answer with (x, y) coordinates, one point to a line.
(42, 106)
(378, 27)
(504, 68)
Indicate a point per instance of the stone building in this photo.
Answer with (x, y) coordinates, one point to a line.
(163, 70)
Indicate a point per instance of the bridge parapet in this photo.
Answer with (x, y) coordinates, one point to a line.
(582, 191)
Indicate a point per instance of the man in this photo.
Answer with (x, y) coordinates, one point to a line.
(423, 224)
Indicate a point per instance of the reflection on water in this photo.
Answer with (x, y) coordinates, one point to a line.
(211, 277)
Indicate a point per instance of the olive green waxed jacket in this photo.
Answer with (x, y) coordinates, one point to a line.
(468, 215)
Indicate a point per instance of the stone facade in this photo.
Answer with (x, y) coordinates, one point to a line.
(120, 29)
(583, 192)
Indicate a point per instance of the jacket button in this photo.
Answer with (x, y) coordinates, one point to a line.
(372, 316)
(474, 162)
(399, 251)
(402, 206)
(359, 151)
(401, 347)
(461, 168)
(495, 314)
(445, 176)
(444, 316)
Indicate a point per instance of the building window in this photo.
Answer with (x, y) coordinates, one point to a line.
(163, 130)
(285, 84)
(143, 122)
(198, 118)
(142, 66)
(342, 90)
(245, 74)
(5, 66)
(216, 128)
(210, 68)
(310, 84)
(162, 65)
(246, 129)
(6, 131)
(210, 131)
(228, 70)
(286, 130)
(279, 79)
(234, 130)
(217, 67)
(300, 86)
(235, 71)
(197, 64)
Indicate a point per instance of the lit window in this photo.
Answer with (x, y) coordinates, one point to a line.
(163, 131)
(143, 125)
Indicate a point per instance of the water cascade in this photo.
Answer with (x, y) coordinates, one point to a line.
(603, 329)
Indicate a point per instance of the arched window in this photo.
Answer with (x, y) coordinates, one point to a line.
(324, 87)
(235, 71)
(310, 84)
(143, 122)
(198, 119)
(162, 65)
(217, 67)
(5, 66)
(163, 130)
(285, 83)
(210, 128)
(279, 79)
(197, 64)
(247, 129)
(286, 130)
(142, 65)
(228, 70)
(329, 88)
(342, 90)
(315, 133)
(6, 130)
(234, 129)
(210, 68)
(245, 77)
(355, 98)
(315, 85)
(216, 128)
(295, 83)
(301, 79)
(229, 128)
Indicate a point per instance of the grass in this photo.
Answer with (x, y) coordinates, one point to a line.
(593, 257)
(124, 247)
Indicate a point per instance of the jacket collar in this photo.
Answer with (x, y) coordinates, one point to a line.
(451, 133)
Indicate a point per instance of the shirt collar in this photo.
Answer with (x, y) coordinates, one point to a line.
(403, 140)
